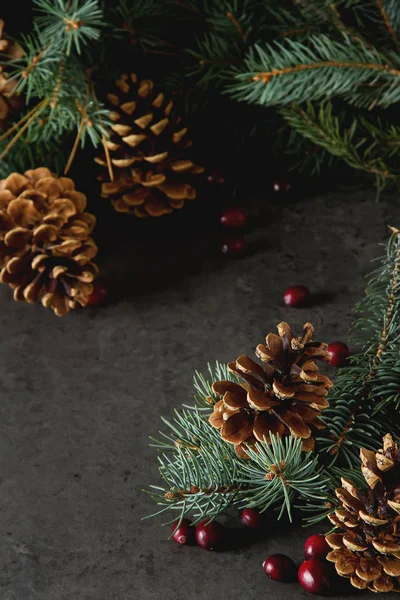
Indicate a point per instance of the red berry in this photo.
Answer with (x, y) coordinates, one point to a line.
(338, 352)
(251, 518)
(296, 295)
(233, 246)
(215, 178)
(315, 576)
(280, 185)
(233, 218)
(316, 547)
(209, 535)
(280, 568)
(183, 533)
(99, 294)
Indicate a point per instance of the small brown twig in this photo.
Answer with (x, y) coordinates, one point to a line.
(34, 114)
(386, 20)
(75, 146)
(20, 122)
(236, 23)
(56, 92)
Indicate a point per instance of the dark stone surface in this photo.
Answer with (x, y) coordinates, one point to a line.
(81, 395)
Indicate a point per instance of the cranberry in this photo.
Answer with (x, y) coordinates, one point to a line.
(280, 568)
(209, 534)
(183, 533)
(316, 547)
(99, 294)
(296, 295)
(251, 518)
(233, 246)
(216, 178)
(315, 576)
(233, 218)
(338, 352)
(281, 185)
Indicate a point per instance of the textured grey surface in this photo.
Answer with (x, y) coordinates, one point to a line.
(81, 395)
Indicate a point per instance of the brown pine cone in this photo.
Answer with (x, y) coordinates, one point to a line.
(366, 545)
(8, 102)
(148, 152)
(284, 396)
(45, 244)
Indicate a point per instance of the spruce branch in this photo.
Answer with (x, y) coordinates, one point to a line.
(386, 19)
(367, 145)
(69, 24)
(199, 469)
(366, 389)
(391, 8)
(279, 474)
(294, 71)
(139, 20)
(53, 78)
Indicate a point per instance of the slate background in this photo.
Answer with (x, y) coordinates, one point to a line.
(81, 395)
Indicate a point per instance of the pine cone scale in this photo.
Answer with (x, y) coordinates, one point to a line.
(147, 148)
(271, 400)
(366, 546)
(46, 249)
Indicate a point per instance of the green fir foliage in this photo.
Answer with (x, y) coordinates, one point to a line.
(365, 399)
(203, 476)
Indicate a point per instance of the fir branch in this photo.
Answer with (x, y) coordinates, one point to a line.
(28, 155)
(391, 8)
(282, 73)
(69, 23)
(279, 474)
(364, 145)
(381, 7)
(201, 474)
(354, 396)
(139, 20)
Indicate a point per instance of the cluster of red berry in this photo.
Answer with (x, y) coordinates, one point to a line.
(209, 534)
(235, 218)
(315, 574)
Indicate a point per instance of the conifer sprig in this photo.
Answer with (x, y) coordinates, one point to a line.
(294, 71)
(366, 396)
(204, 476)
(55, 82)
(370, 146)
(281, 474)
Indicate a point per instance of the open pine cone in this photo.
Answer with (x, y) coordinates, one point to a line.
(45, 244)
(283, 396)
(367, 547)
(147, 149)
(8, 102)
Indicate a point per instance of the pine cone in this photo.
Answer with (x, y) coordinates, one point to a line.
(284, 396)
(45, 248)
(147, 149)
(8, 102)
(367, 550)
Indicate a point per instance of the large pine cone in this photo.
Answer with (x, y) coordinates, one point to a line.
(45, 244)
(366, 547)
(147, 149)
(8, 102)
(284, 396)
